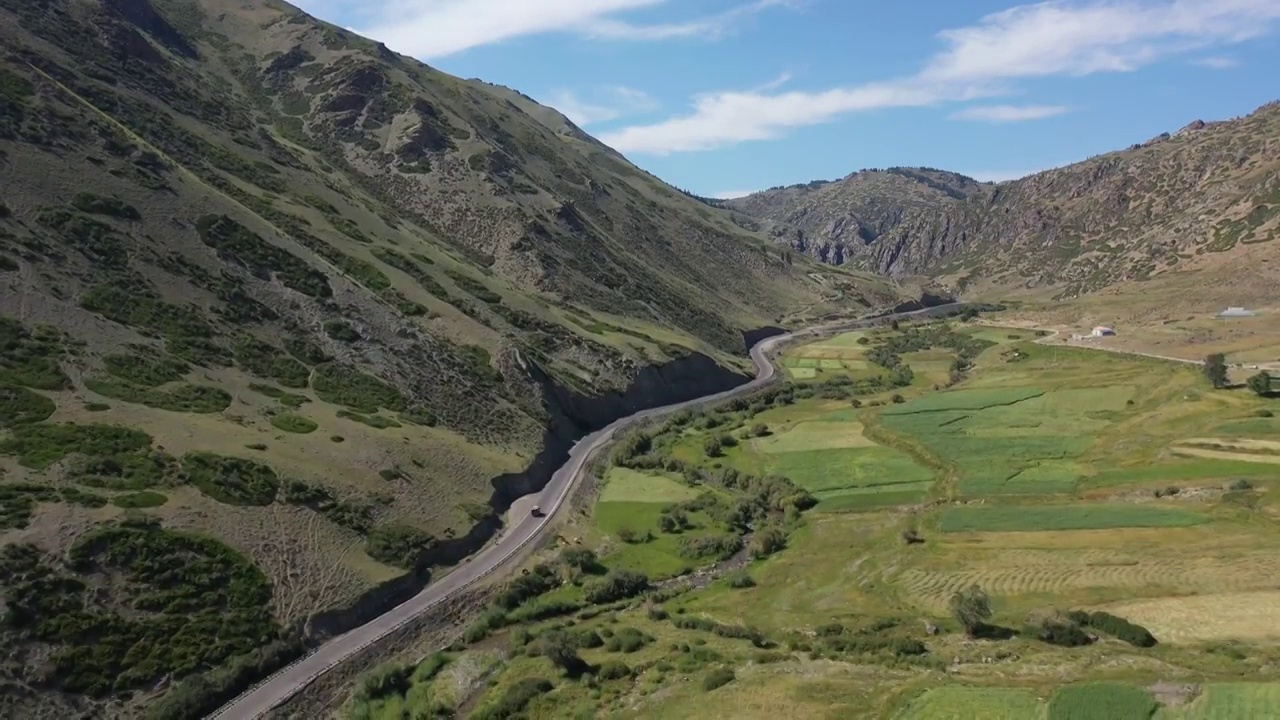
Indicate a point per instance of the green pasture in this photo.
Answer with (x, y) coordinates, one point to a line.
(1030, 518)
(960, 702)
(659, 557)
(874, 497)
(835, 468)
(1228, 701)
(1101, 701)
(814, 435)
(1186, 471)
(628, 486)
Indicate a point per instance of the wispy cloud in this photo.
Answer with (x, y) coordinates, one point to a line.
(710, 27)
(1008, 113)
(607, 104)
(987, 59)
(1216, 63)
(430, 29)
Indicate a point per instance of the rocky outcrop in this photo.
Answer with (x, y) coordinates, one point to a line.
(1208, 188)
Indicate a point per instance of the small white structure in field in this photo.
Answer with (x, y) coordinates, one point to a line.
(1102, 331)
(1236, 312)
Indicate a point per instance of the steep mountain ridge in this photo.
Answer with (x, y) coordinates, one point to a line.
(280, 305)
(1176, 201)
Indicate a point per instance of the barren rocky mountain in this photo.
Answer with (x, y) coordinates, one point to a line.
(1178, 201)
(288, 319)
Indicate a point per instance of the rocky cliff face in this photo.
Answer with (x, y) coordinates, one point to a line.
(1171, 202)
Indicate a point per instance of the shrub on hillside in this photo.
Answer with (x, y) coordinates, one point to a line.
(717, 678)
(617, 585)
(1117, 627)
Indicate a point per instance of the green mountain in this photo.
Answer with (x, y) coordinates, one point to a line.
(288, 318)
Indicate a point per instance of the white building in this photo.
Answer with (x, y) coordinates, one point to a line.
(1236, 312)
(1102, 331)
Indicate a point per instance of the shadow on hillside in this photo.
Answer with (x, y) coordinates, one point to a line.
(993, 632)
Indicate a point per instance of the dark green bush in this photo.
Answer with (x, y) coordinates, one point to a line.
(40, 445)
(613, 670)
(720, 547)
(97, 205)
(202, 399)
(144, 499)
(1117, 627)
(514, 700)
(30, 359)
(20, 406)
(344, 385)
(236, 244)
(230, 480)
(717, 678)
(617, 585)
(294, 424)
(183, 593)
(397, 545)
(341, 331)
(144, 367)
(267, 361)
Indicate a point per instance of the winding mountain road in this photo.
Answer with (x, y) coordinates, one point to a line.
(287, 682)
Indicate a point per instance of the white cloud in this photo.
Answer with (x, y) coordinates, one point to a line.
(613, 103)
(726, 118)
(1216, 63)
(1008, 113)
(430, 29)
(983, 60)
(711, 27)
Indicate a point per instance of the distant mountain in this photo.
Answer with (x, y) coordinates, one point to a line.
(1174, 202)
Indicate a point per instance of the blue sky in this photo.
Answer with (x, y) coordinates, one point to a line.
(723, 97)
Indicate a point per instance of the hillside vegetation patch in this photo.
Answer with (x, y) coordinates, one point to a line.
(184, 593)
(230, 480)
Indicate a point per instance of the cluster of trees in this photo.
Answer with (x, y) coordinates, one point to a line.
(971, 607)
(1215, 370)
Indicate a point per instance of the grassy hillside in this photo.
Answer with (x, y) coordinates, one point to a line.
(294, 297)
(1206, 198)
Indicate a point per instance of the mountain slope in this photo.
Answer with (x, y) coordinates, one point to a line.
(1176, 202)
(269, 284)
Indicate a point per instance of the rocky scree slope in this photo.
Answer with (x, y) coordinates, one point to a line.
(1178, 201)
(303, 302)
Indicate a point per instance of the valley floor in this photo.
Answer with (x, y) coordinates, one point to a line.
(1055, 479)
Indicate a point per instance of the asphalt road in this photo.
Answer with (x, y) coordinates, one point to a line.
(281, 686)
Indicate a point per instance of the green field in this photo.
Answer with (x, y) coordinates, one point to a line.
(659, 557)
(831, 469)
(1228, 701)
(1101, 701)
(1030, 518)
(1065, 449)
(958, 702)
(861, 498)
(628, 486)
(1010, 440)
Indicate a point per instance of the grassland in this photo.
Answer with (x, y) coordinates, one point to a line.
(1108, 515)
(1017, 518)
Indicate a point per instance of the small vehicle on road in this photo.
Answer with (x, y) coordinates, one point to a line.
(536, 511)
